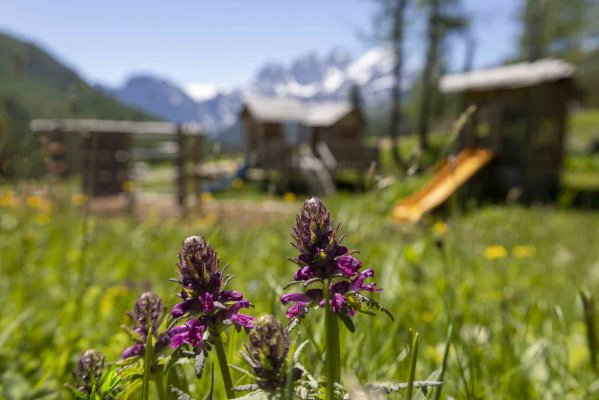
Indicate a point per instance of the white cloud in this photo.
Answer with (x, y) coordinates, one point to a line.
(200, 91)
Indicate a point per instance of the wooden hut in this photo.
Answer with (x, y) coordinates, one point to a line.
(521, 117)
(274, 128)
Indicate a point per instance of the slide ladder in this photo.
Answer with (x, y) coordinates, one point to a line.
(453, 173)
(315, 173)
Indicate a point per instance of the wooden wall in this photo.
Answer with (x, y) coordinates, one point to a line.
(526, 129)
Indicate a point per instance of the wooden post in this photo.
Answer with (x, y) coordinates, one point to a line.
(196, 162)
(180, 166)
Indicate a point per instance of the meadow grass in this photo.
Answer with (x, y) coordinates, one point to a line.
(507, 277)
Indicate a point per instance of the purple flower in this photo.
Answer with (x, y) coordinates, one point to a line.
(89, 371)
(242, 320)
(135, 350)
(298, 310)
(348, 265)
(323, 262)
(267, 354)
(205, 304)
(148, 312)
(315, 239)
(192, 332)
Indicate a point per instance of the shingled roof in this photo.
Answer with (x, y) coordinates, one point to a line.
(290, 110)
(509, 76)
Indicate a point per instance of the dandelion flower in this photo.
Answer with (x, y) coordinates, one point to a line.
(78, 199)
(8, 199)
(42, 219)
(37, 203)
(495, 252)
(523, 251)
(206, 197)
(440, 228)
(237, 183)
(128, 186)
(289, 197)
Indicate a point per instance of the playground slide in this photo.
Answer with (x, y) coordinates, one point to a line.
(452, 174)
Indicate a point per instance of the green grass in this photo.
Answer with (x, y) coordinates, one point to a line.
(519, 329)
(583, 128)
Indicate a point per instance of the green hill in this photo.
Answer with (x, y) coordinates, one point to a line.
(46, 88)
(33, 84)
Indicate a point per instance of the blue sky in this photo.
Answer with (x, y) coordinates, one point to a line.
(221, 42)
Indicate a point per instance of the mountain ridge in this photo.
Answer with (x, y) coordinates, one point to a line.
(310, 77)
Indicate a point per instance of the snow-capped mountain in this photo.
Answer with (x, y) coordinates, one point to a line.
(310, 77)
(167, 100)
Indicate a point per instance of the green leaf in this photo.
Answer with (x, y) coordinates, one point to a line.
(181, 395)
(413, 359)
(199, 364)
(246, 388)
(389, 387)
(145, 390)
(366, 305)
(210, 394)
(347, 321)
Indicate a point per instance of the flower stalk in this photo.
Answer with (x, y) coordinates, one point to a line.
(332, 280)
(224, 366)
(332, 361)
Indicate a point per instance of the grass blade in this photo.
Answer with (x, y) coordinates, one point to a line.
(413, 357)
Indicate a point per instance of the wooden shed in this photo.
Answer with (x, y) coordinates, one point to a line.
(521, 117)
(276, 127)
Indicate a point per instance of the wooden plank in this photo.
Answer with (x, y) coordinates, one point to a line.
(180, 167)
(146, 128)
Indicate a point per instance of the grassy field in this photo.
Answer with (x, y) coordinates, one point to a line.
(507, 278)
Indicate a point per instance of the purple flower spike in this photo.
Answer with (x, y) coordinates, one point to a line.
(267, 355)
(89, 371)
(323, 262)
(206, 305)
(149, 312)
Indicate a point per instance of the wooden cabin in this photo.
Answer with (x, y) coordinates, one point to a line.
(276, 127)
(521, 116)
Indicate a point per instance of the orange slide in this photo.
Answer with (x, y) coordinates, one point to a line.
(452, 174)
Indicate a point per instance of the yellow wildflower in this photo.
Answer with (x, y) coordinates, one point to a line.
(495, 252)
(37, 202)
(427, 316)
(78, 199)
(209, 219)
(128, 186)
(206, 196)
(42, 218)
(440, 228)
(237, 183)
(8, 199)
(289, 197)
(111, 296)
(524, 251)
